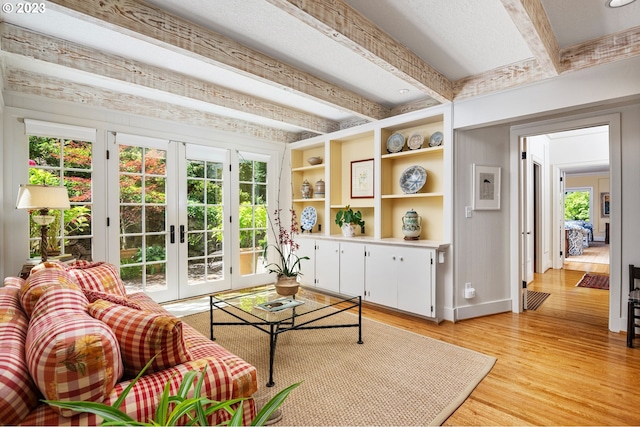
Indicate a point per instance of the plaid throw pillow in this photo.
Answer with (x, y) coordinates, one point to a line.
(94, 296)
(98, 276)
(38, 283)
(142, 334)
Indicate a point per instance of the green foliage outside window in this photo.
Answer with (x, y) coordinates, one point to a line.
(577, 205)
(55, 161)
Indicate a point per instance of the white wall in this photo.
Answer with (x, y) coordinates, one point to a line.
(482, 241)
(2, 175)
(609, 83)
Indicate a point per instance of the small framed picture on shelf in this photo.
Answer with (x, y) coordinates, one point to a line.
(362, 179)
(486, 187)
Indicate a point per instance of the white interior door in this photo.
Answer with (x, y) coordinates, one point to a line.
(526, 219)
(561, 234)
(529, 220)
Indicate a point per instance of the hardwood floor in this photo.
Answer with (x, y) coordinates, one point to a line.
(595, 259)
(558, 365)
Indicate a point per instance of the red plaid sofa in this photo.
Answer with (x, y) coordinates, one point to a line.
(70, 332)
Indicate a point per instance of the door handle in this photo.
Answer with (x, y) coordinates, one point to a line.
(182, 234)
(172, 233)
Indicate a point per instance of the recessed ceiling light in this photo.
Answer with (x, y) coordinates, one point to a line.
(404, 91)
(618, 3)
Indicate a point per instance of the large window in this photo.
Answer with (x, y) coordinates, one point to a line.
(67, 162)
(253, 214)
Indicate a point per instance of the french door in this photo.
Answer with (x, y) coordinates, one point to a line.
(169, 208)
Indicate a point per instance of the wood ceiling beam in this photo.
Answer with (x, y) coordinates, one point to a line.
(521, 73)
(413, 106)
(345, 25)
(161, 28)
(23, 42)
(534, 26)
(613, 47)
(30, 83)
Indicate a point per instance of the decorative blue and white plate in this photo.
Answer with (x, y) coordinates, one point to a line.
(413, 179)
(435, 139)
(395, 143)
(308, 218)
(415, 141)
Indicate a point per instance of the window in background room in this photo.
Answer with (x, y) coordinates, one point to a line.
(577, 204)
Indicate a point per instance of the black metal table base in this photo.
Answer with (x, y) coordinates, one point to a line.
(276, 328)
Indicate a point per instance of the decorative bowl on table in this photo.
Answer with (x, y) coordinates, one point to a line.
(315, 160)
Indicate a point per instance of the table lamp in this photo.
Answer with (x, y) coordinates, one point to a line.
(43, 198)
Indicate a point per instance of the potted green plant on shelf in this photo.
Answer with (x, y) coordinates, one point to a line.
(347, 219)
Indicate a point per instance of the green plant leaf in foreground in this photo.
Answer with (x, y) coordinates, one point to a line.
(272, 405)
(196, 408)
(106, 412)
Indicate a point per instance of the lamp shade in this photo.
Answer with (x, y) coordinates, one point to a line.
(42, 197)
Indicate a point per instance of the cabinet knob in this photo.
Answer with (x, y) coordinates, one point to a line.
(401, 259)
(393, 257)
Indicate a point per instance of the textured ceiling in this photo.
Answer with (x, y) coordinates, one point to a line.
(379, 67)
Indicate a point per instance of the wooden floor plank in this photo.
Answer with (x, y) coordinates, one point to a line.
(557, 365)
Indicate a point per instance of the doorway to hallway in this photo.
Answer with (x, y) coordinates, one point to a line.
(552, 230)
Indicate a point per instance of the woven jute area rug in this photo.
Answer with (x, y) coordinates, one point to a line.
(395, 378)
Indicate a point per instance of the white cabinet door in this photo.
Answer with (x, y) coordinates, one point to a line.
(380, 275)
(352, 268)
(416, 276)
(328, 265)
(307, 247)
(401, 277)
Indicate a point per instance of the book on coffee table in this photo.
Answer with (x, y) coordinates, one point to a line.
(279, 304)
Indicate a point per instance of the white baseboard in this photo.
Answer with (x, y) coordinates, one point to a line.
(484, 309)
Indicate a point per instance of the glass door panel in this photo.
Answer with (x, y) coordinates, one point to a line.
(144, 237)
(207, 249)
(252, 215)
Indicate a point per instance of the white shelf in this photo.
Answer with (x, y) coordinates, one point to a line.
(312, 199)
(410, 196)
(410, 153)
(308, 168)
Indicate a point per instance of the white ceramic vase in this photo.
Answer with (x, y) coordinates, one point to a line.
(348, 230)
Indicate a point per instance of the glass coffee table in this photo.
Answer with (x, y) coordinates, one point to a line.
(251, 308)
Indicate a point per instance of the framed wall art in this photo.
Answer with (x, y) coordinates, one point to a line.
(362, 179)
(604, 205)
(486, 187)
